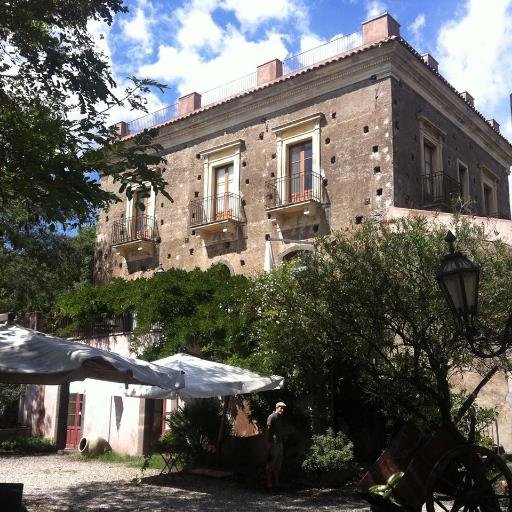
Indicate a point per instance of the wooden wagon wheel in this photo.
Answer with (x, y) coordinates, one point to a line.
(469, 478)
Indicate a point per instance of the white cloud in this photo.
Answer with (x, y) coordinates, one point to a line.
(475, 51)
(374, 8)
(192, 72)
(198, 29)
(137, 30)
(308, 41)
(252, 14)
(416, 28)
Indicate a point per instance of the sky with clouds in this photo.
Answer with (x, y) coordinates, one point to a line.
(196, 45)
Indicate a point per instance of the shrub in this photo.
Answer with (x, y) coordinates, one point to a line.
(330, 452)
(193, 430)
(27, 445)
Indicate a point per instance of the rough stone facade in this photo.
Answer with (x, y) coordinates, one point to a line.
(369, 114)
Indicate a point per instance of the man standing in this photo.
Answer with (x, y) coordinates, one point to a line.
(274, 436)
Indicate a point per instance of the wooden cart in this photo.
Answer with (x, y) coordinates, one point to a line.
(444, 472)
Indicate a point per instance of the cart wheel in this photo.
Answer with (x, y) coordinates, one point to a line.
(469, 479)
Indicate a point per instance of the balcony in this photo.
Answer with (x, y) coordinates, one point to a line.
(300, 194)
(216, 218)
(438, 190)
(135, 238)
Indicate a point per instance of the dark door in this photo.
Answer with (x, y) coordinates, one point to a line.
(74, 421)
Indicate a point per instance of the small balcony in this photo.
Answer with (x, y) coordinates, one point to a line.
(298, 194)
(216, 218)
(438, 190)
(135, 238)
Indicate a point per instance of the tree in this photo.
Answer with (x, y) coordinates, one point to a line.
(366, 309)
(47, 265)
(195, 311)
(56, 90)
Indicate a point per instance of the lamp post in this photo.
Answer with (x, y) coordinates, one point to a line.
(458, 279)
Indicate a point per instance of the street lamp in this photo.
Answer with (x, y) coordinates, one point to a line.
(458, 279)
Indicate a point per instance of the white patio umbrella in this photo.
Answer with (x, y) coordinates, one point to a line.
(31, 357)
(205, 379)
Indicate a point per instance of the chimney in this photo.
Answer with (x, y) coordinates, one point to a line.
(122, 129)
(494, 124)
(468, 98)
(430, 61)
(189, 103)
(269, 71)
(379, 28)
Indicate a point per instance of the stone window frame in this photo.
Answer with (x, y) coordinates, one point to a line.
(489, 179)
(295, 132)
(464, 185)
(433, 136)
(214, 158)
(151, 208)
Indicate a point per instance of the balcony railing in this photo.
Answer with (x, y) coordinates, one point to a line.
(98, 328)
(289, 190)
(292, 64)
(438, 189)
(132, 229)
(208, 210)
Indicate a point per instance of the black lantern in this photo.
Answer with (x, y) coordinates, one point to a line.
(458, 278)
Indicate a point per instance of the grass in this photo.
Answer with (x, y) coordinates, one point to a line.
(31, 444)
(133, 461)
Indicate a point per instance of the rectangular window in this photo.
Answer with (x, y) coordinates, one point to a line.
(139, 216)
(487, 200)
(463, 182)
(428, 169)
(223, 192)
(300, 172)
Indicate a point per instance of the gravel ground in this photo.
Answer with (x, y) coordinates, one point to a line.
(64, 483)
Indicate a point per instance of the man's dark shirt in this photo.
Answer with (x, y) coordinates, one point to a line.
(275, 428)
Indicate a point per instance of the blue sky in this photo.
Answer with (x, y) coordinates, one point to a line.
(199, 44)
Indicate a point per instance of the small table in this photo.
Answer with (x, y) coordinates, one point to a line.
(171, 460)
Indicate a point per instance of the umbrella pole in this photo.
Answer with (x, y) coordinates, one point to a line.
(221, 429)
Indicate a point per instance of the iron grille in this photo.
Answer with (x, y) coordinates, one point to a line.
(293, 189)
(439, 188)
(214, 209)
(141, 227)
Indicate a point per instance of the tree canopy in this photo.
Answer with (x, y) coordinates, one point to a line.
(366, 308)
(47, 265)
(56, 89)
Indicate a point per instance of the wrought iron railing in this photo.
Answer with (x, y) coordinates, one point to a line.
(141, 227)
(214, 209)
(438, 188)
(323, 52)
(97, 328)
(305, 59)
(293, 189)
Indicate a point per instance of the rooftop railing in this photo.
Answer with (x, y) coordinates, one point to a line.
(292, 64)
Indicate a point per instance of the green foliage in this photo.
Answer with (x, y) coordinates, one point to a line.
(9, 396)
(47, 265)
(484, 419)
(366, 311)
(193, 430)
(198, 311)
(27, 445)
(329, 452)
(56, 91)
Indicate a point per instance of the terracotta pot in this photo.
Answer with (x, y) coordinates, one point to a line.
(93, 445)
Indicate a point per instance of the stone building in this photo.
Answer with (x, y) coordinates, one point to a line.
(350, 130)
(361, 127)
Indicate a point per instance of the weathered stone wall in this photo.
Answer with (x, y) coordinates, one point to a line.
(355, 160)
(456, 145)
(496, 394)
